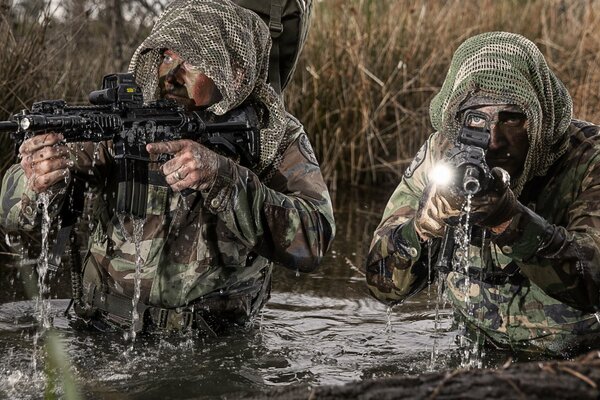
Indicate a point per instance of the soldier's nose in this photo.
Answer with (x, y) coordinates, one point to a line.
(174, 76)
(496, 138)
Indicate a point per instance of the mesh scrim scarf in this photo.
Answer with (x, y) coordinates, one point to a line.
(230, 45)
(508, 68)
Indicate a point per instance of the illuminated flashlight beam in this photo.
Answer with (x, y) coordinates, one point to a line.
(441, 174)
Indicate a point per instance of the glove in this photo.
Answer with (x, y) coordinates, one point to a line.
(497, 205)
(440, 206)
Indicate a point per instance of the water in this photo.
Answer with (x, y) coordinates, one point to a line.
(317, 329)
(136, 238)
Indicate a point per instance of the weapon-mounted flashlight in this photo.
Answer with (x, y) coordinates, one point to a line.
(441, 174)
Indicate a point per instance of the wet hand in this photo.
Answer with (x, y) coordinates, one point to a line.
(495, 208)
(438, 207)
(193, 166)
(45, 160)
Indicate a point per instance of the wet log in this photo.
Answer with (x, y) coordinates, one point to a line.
(577, 379)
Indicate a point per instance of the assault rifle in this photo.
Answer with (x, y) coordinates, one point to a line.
(467, 159)
(117, 113)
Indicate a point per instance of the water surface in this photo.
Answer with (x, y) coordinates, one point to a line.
(320, 328)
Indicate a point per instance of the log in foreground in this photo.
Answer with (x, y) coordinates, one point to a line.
(577, 379)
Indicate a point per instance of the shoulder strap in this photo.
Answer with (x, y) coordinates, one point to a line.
(276, 28)
(288, 22)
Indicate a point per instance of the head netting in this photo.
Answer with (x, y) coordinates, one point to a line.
(230, 45)
(508, 68)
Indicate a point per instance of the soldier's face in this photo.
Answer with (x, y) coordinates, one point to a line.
(509, 143)
(186, 84)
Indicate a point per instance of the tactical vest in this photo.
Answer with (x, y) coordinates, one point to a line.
(288, 22)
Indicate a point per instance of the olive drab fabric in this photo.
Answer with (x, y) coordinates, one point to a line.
(535, 286)
(213, 247)
(548, 303)
(289, 23)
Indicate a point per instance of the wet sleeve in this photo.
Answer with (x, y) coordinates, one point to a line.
(564, 261)
(397, 264)
(21, 208)
(290, 220)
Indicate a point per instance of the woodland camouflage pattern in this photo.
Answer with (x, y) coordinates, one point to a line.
(536, 286)
(548, 302)
(194, 247)
(216, 246)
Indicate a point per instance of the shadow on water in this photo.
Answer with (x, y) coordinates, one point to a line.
(317, 329)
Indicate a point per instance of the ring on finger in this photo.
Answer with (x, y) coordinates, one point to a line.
(178, 176)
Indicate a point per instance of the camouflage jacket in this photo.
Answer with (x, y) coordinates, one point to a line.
(217, 243)
(525, 289)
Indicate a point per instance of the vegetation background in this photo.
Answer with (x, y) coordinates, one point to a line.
(363, 85)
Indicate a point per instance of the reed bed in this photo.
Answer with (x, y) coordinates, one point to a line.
(363, 84)
(370, 69)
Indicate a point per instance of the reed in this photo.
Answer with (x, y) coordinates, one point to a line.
(365, 78)
(370, 69)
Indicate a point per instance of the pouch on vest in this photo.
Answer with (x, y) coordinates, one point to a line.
(288, 21)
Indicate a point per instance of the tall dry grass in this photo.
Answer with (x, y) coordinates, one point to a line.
(57, 50)
(371, 67)
(365, 79)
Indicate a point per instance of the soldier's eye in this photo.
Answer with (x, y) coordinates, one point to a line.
(513, 119)
(473, 121)
(167, 59)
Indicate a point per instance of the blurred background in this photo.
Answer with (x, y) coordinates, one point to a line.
(366, 76)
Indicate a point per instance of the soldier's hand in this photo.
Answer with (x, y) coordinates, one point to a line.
(45, 160)
(439, 206)
(193, 166)
(494, 208)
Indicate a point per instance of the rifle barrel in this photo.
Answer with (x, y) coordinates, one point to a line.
(8, 126)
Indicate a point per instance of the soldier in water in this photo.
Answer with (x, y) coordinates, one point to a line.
(214, 227)
(530, 278)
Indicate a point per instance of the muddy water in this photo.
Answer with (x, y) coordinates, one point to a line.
(317, 329)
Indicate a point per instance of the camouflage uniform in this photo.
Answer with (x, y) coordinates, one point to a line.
(214, 247)
(536, 285)
(210, 252)
(547, 303)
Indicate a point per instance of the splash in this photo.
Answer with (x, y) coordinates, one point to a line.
(471, 349)
(435, 349)
(136, 239)
(42, 303)
(388, 325)
(462, 258)
(43, 268)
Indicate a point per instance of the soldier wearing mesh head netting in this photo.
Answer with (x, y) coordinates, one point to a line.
(207, 255)
(530, 280)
